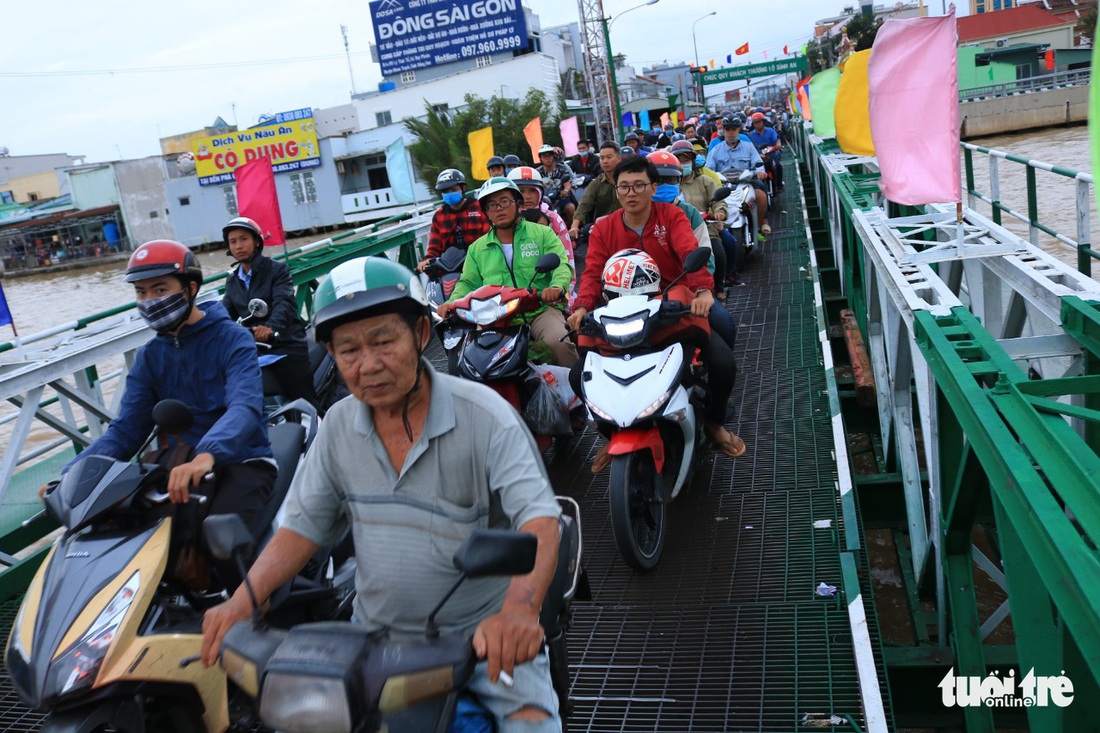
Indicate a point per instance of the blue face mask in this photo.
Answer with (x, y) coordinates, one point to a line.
(688, 169)
(452, 198)
(666, 193)
(700, 161)
(583, 153)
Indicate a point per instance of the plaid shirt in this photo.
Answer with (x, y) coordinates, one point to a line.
(459, 227)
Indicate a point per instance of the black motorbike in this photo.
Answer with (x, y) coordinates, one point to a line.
(439, 278)
(340, 677)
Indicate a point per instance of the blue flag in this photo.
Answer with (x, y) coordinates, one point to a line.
(628, 119)
(644, 120)
(5, 312)
(729, 58)
(400, 175)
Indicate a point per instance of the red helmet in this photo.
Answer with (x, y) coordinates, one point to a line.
(757, 116)
(163, 257)
(631, 272)
(667, 163)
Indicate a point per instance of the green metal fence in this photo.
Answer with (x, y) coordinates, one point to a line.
(1084, 182)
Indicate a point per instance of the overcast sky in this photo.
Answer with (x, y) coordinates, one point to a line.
(108, 79)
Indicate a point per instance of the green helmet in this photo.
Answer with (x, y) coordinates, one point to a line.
(498, 183)
(362, 288)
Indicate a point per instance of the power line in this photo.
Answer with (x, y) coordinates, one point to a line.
(168, 69)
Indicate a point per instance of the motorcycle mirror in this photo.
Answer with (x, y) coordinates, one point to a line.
(746, 176)
(722, 193)
(257, 307)
(173, 417)
(226, 535)
(485, 553)
(547, 263)
(489, 552)
(697, 259)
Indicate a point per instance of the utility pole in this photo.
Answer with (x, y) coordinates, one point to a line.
(347, 52)
(597, 67)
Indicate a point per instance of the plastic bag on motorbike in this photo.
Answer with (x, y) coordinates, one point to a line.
(546, 412)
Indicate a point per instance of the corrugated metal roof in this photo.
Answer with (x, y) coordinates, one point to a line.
(1027, 17)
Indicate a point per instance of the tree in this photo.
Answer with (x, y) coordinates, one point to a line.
(442, 135)
(1086, 24)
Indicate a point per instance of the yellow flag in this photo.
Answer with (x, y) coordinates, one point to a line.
(481, 149)
(675, 117)
(852, 110)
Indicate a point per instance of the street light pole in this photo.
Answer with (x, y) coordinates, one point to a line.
(695, 43)
(617, 122)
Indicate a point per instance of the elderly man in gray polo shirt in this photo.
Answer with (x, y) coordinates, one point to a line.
(415, 461)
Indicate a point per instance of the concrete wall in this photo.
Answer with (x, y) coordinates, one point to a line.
(44, 185)
(971, 75)
(142, 183)
(94, 186)
(1034, 110)
(14, 166)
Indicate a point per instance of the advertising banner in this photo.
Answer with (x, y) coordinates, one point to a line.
(748, 71)
(289, 140)
(416, 34)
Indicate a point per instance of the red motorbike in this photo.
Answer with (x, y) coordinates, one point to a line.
(494, 349)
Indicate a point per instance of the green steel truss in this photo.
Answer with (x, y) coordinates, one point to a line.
(987, 363)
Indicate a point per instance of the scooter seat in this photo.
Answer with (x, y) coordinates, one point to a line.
(287, 441)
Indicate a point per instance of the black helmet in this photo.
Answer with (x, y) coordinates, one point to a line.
(731, 122)
(512, 161)
(448, 178)
(631, 136)
(496, 160)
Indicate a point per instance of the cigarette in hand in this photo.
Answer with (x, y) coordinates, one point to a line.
(506, 679)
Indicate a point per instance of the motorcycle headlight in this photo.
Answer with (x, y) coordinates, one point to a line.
(623, 334)
(657, 405)
(79, 665)
(598, 412)
(303, 704)
(490, 310)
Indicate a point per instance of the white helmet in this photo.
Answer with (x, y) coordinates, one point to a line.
(525, 175)
(631, 272)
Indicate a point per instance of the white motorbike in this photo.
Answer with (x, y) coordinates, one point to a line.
(651, 400)
(742, 219)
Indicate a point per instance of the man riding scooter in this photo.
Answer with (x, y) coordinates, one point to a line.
(281, 330)
(415, 463)
(764, 137)
(739, 154)
(202, 358)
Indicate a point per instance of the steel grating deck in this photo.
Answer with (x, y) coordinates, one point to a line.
(727, 633)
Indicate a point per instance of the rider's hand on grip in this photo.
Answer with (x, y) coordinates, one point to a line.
(575, 320)
(508, 638)
(552, 295)
(186, 475)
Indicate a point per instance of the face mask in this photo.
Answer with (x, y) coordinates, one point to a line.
(666, 193)
(688, 169)
(583, 153)
(700, 161)
(166, 313)
(452, 198)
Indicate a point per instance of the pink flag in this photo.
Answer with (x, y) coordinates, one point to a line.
(569, 135)
(914, 109)
(256, 199)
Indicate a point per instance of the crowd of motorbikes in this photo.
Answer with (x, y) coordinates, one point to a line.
(106, 639)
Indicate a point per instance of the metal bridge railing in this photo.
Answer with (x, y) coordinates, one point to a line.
(1057, 80)
(1084, 182)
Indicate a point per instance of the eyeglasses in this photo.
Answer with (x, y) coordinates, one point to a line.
(500, 204)
(624, 188)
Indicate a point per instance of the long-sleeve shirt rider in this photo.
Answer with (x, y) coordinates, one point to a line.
(742, 156)
(453, 227)
(667, 237)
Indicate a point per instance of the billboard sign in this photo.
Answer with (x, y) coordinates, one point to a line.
(792, 65)
(289, 139)
(416, 34)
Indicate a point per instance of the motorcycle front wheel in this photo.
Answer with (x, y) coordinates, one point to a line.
(637, 511)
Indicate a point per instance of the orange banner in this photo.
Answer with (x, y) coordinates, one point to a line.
(533, 132)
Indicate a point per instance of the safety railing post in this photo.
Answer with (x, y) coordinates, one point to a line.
(1084, 248)
(995, 187)
(1032, 207)
(968, 161)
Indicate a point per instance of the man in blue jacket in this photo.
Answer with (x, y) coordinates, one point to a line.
(204, 359)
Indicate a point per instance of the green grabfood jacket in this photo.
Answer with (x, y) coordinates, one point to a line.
(487, 265)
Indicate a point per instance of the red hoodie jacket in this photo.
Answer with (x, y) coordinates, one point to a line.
(667, 237)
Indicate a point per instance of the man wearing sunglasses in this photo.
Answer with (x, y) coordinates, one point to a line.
(663, 231)
(507, 256)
